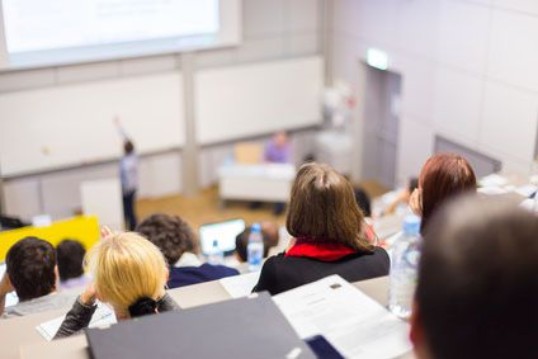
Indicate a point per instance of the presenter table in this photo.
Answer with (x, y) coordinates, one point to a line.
(76, 347)
(264, 182)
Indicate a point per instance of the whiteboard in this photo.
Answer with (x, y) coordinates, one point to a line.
(73, 125)
(242, 101)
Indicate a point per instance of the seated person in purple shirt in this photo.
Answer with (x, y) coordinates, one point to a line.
(179, 245)
(278, 150)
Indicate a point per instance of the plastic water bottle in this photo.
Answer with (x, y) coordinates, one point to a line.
(404, 267)
(216, 256)
(255, 248)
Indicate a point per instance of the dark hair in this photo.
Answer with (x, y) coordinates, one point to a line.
(413, 184)
(442, 177)
(143, 306)
(70, 254)
(478, 281)
(241, 242)
(30, 266)
(323, 207)
(128, 147)
(171, 234)
(363, 201)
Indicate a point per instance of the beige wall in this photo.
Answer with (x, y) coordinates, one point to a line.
(469, 71)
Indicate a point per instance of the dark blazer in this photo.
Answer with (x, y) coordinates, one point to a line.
(183, 276)
(280, 273)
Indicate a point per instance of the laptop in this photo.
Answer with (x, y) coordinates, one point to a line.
(238, 328)
(223, 232)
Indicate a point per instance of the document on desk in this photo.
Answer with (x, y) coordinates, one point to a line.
(355, 324)
(240, 285)
(102, 317)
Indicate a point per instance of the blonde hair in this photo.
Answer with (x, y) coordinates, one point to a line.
(127, 267)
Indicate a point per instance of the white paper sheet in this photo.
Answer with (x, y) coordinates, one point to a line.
(240, 285)
(102, 317)
(493, 180)
(355, 324)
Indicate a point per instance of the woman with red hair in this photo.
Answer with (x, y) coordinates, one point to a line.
(442, 177)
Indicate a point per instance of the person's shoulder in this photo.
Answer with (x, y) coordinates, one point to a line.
(380, 255)
(281, 263)
(380, 251)
(276, 259)
(222, 268)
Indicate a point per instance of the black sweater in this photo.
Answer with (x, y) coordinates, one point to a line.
(280, 273)
(80, 315)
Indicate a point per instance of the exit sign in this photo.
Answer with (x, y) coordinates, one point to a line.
(377, 58)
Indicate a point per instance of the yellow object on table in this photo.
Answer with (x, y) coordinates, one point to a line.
(83, 228)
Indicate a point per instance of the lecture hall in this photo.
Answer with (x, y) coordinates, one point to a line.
(268, 179)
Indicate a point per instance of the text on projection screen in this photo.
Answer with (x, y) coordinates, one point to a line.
(40, 25)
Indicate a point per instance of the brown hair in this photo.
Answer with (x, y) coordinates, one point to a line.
(30, 266)
(172, 235)
(323, 208)
(442, 177)
(478, 281)
(270, 238)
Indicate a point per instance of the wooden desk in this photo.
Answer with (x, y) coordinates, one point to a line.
(186, 297)
(18, 332)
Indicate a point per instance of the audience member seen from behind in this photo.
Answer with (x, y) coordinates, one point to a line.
(176, 240)
(278, 149)
(478, 283)
(442, 177)
(270, 237)
(70, 255)
(130, 274)
(330, 235)
(32, 273)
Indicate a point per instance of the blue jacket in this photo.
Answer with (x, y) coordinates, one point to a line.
(182, 276)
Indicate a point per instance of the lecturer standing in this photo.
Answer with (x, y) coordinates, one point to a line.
(128, 177)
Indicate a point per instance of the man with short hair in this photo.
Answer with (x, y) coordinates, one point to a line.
(270, 236)
(179, 245)
(32, 273)
(477, 289)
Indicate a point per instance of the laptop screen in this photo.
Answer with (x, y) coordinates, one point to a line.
(223, 232)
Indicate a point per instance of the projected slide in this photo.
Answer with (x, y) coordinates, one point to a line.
(36, 25)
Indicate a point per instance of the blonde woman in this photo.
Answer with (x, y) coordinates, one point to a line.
(129, 274)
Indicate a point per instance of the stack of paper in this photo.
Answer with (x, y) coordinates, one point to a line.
(240, 285)
(352, 322)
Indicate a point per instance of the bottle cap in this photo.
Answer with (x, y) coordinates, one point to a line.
(256, 228)
(411, 225)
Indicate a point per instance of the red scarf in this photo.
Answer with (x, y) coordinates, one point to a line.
(321, 250)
